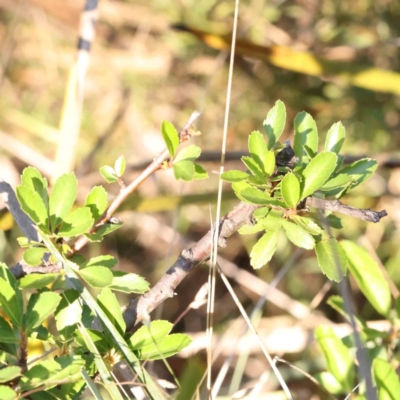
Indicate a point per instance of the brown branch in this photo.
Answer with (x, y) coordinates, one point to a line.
(139, 308)
(155, 165)
(335, 205)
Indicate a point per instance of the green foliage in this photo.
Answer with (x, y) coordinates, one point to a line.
(283, 188)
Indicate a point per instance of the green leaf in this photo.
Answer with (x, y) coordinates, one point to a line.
(40, 306)
(386, 380)
(254, 168)
(37, 281)
(368, 276)
(274, 123)
(10, 303)
(355, 174)
(102, 261)
(8, 335)
(34, 255)
(298, 235)
(290, 190)
(6, 393)
(335, 138)
(331, 259)
(234, 176)
(33, 179)
(128, 283)
(109, 174)
(184, 170)
(144, 336)
(252, 195)
(189, 153)
(339, 361)
(98, 338)
(307, 224)
(199, 172)
(77, 223)
(318, 172)
(109, 303)
(171, 345)
(62, 198)
(305, 136)
(329, 382)
(69, 310)
(269, 163)
(119, 166)
(96, 201)
(250, 229)
(258, 149)
(170, 136)
(264, 249)
(9, 373)
(97, 277)
(33, 205)
(273, 221)
(107, 228)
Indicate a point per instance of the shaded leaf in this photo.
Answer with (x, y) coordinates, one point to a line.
(368, 276)
(33, 179)
(264, 249)
(107, 228)
(253, 195)
(386, 380)
(331, 259)
(96, 201)
(77, 223)
(305, 136)
(10, 303)
(7, 333)
(109, 303)
(274, 123)
(199, 172)
(317, 172)
(39, 308)
(335, 138)
(170, 136)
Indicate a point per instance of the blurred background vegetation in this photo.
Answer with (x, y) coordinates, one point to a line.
(143, 70)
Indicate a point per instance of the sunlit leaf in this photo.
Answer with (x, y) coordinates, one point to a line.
(331, 259)
(69, 310)
(264, 249)
(77, 223)
(189, 153)
(298, 235)
(109, 303)
(290, 190)
(33, 205)
(253, 167)
(318, 172)
(37, 281)
(307, 224)
(167, 347)
(335, 138)
(33, 179)
(339, 361)
(199, 172)
(34, 255)
(234, 176)
(275, 123)
(305, 136)
(386, 379)
(10, 303)
(119, 166)
(258, 149)
(128, 283)
(62, 198)
(144, 336)
(184, 170)
(108, 173)
(368, 276)
(97, 201)
(170, 136)
(97, 277)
